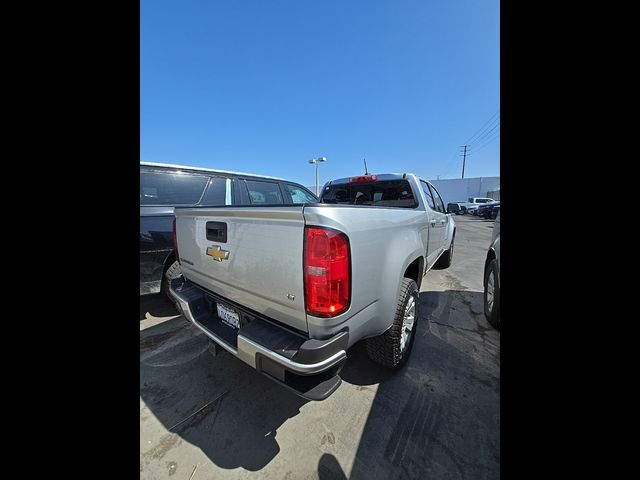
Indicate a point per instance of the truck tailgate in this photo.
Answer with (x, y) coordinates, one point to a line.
(259, 264)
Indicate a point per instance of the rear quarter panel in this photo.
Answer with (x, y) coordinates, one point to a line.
(383, 242)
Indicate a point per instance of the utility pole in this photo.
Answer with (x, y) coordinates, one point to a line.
(464, 159)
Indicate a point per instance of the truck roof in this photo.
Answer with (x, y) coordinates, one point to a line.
(210, 170)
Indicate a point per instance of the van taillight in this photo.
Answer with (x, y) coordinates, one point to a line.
(327, 282)
(175, 241)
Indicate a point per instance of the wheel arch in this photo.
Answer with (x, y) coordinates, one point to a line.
(414, 271)
(491, 255)
(168, 261)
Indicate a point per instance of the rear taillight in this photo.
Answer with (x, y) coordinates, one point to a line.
(175, 241)
(327, 282)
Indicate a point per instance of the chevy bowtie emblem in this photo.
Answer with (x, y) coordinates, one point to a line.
(217, 253)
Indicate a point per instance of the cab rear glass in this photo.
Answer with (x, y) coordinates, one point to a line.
(384, 193)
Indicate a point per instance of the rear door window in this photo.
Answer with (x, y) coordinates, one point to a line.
(436, 198)
(299, 195)
(263, 192)
(218, 192)
(164, 188)
(427, 193)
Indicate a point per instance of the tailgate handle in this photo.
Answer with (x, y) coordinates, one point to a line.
(217, 232)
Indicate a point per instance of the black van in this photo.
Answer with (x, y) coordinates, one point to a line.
(164, 186)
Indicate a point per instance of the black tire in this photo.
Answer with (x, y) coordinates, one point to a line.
(492, 312)
(447, 257)
(172, 272)
(386, 349)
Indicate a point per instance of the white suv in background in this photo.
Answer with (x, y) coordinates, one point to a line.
(474, 202)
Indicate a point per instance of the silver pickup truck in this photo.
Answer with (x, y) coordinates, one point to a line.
(288, 289)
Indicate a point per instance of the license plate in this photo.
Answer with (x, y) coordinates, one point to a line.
(228, 316)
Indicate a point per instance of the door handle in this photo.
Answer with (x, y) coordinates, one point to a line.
(433, 223)
(443, 221)
(217, 232)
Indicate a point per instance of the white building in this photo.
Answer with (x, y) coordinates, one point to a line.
(460, 189)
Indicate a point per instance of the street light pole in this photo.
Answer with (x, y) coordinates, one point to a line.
(317, 162)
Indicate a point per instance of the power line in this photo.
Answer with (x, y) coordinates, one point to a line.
(487, 143)
(490, 127)
(486, 139)
(447, 168)
(451, 166)
(481, 138)
(485, 123)
(483, 133)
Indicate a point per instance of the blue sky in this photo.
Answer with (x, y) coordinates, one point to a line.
(262, 86)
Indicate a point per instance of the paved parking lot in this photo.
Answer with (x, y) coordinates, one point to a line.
(204, 416)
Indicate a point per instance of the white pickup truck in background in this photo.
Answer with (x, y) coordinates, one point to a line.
(288, 289)
(474, 203)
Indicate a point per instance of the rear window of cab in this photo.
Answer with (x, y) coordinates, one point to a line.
(385, 193)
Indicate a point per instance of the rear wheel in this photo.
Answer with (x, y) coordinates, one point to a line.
(172, 272)
(393, 347)
(492, 294)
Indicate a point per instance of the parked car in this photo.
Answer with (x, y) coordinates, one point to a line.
(481, 200)
(471, 207)
(472, 210)
(489, 210)
(484, 210)
(481, 209)
(163, 187)
(454, 208)
(288, 289)
(492, 278)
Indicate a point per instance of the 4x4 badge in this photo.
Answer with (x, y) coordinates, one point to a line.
(217, 253)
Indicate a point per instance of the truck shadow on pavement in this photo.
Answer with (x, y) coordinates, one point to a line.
(157, 305)
(439, 416)
(216, 403)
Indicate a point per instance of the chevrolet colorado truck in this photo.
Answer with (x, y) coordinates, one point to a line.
(289, 288)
